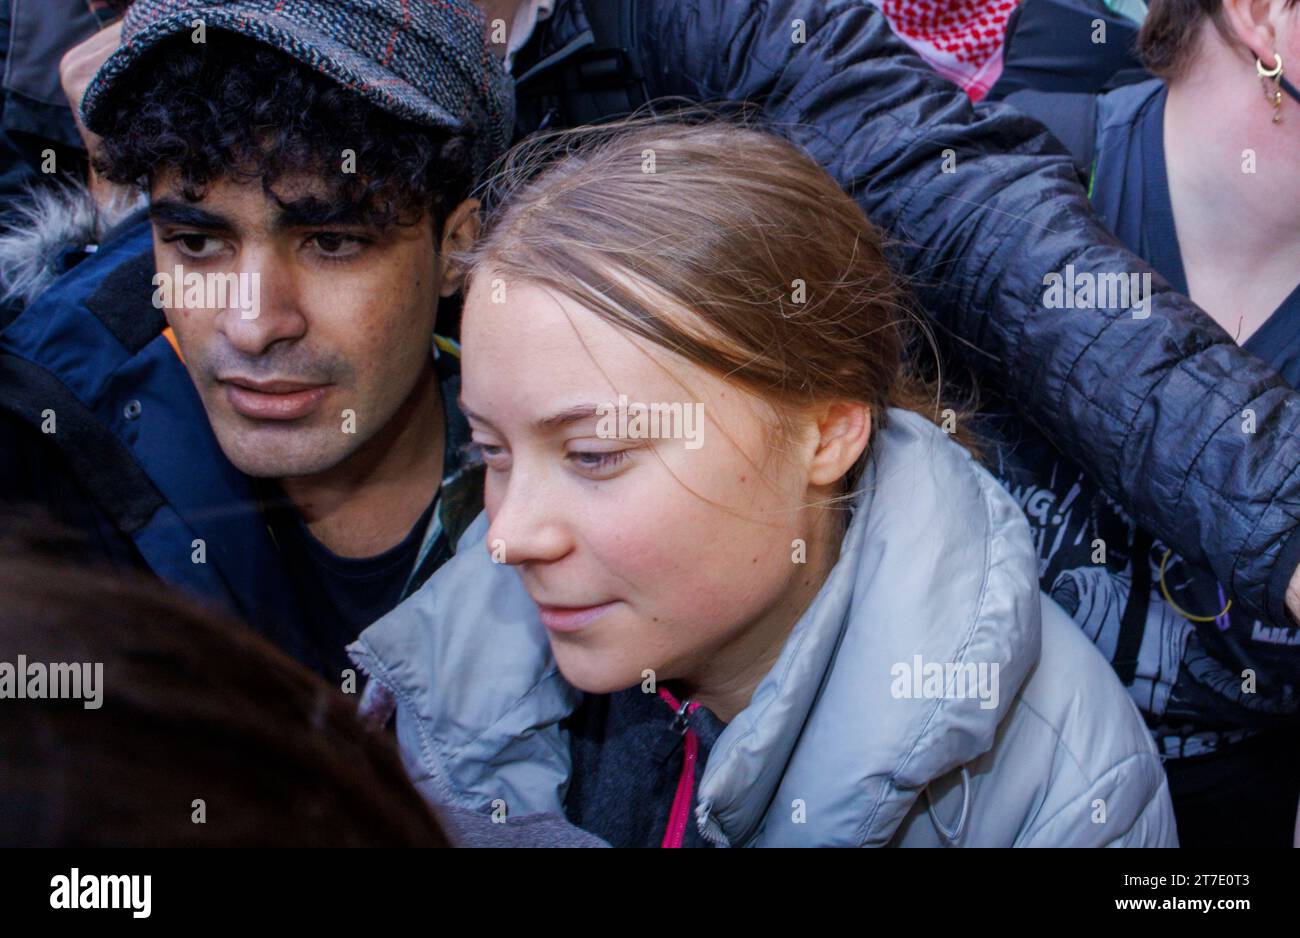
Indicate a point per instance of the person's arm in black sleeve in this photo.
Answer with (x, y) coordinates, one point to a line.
(1153, 408)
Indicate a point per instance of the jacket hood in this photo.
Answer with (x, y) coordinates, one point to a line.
(936, 568)
(48, 221)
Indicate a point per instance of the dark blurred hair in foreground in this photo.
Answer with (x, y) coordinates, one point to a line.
(193, 707)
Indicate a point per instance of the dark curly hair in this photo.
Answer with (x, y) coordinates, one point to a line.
(232, 107)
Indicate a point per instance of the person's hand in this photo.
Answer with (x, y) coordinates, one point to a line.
(77, 67)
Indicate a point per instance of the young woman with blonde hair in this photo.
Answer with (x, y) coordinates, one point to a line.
(815, 621)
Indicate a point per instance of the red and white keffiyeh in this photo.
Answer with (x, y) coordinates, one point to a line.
(961, 39)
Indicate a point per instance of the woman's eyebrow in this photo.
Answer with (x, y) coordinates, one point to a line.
(553, 422)
(460, 402)
(566, 416)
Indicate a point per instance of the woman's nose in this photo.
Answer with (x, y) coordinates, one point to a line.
(528, 525)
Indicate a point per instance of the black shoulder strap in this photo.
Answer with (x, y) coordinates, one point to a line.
(1133, 623)
(1070, 116)
(104, 466)
(598, 83)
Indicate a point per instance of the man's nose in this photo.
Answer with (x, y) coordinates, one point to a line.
(262, 303)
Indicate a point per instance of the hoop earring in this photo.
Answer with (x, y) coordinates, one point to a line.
(1275, 75)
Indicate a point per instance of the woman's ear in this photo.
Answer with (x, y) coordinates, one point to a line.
(843, 428)
(459, 233)
(1249, 21)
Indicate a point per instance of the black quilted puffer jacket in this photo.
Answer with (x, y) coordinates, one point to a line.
(1150, 407)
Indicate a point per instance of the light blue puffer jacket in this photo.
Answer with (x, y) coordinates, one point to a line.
(834, 749)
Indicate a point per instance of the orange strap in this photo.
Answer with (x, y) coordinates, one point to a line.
(171, 337)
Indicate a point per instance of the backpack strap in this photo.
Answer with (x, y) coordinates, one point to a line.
(1072, 119)
(599, 82)
(1133, 623)
(102, 464)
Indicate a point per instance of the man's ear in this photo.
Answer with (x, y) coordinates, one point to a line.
(843, 428)
(459, 233)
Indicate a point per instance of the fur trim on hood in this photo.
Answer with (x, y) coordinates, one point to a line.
(45, 223)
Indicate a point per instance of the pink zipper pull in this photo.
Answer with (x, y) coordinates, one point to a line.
(680, 814)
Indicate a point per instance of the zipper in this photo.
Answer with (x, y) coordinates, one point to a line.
(680, 814)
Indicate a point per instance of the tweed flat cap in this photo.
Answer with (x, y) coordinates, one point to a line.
(426, 61)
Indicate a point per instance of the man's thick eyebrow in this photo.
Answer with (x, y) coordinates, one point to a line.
(553, 422)
(314, 213)
(175, 212)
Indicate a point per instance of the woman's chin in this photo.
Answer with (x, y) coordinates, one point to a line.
(593, 673)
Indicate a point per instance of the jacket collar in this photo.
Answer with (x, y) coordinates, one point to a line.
(937, 568)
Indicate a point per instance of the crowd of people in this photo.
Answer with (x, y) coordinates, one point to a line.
(968, 515)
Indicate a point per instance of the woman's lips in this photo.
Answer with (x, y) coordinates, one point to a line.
(571, 618)
(274, 400)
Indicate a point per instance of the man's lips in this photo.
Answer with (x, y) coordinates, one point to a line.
(571, 618)
(273, 400)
